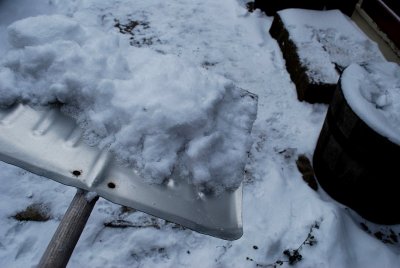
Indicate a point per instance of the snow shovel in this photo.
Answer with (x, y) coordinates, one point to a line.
(48, 143)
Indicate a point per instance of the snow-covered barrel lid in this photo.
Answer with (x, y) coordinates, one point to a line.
(373, 92)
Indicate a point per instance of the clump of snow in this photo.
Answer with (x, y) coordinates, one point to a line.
(43, 29)
(326, 40)
(373, 92)
(11, 11)
(156, 112)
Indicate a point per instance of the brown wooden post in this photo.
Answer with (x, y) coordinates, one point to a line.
(64, 240)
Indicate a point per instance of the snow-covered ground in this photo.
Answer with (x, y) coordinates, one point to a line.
(282, 216)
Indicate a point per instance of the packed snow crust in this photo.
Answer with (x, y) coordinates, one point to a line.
(327, 40)
(278, 207)
(154, 111)
(373, 92)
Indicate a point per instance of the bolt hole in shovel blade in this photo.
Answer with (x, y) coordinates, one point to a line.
(111, 185)
(51, 155)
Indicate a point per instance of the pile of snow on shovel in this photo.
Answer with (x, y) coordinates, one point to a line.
(158, 114)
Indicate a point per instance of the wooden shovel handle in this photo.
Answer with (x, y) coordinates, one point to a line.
(68, 232)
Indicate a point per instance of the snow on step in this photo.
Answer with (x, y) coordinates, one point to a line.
(326, 38)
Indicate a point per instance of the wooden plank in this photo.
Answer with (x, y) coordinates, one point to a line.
(385, 17)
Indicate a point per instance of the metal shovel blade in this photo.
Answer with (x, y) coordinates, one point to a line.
(46, 142)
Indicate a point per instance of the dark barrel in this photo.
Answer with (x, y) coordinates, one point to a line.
(357, 166)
